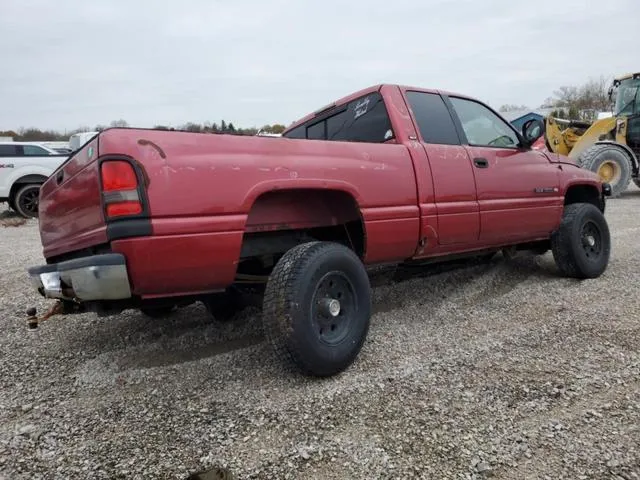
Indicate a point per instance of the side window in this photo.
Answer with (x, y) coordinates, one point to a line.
(433, 118)
(362, 120)
(8, 151)
(316, 131)
(298, 132)
(34, 151)
(483, 127)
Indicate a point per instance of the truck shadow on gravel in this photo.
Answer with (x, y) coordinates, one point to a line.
(431, 285)
(188, 335)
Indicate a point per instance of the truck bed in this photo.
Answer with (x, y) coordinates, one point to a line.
(201, 187)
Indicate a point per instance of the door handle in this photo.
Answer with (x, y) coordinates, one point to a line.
(481, 162)
(60, 177)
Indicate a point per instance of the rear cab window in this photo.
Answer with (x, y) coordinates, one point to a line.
(364, 119)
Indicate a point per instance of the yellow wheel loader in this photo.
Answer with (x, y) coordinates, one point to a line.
(608, 146)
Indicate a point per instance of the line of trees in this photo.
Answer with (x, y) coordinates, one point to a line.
(575, 102)
(569, 101)
(37, 135)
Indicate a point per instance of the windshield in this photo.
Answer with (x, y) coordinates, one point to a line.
(627, 101)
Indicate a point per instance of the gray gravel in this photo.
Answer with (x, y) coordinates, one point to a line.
(503, 370)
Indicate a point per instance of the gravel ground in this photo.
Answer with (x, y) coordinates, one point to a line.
(503, 370)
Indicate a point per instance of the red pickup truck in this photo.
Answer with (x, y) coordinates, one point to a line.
(151, 219)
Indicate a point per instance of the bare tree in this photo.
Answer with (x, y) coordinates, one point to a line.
(566, 96)
(581, 102)
(593, 94)
(119, 123)
(511, 108)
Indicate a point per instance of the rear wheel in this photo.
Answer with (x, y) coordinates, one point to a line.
(317, 308)
(611, 163)
(26, 200)
(582, 245)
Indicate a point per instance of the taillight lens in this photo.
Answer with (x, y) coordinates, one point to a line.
(120, 189)
(118, 175)
(120, 209)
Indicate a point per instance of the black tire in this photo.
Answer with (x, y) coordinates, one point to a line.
(307, 329)
(157, 312)
(223, 307)
(582, 244)
(26, 199)
(599, 157)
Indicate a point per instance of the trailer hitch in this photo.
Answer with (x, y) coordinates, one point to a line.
(61, 307)
(33, 321)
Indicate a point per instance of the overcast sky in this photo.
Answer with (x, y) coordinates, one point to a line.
(72, 63)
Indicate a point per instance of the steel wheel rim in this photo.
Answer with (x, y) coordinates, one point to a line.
(332, 321)
(609, 171)
(591, 241)
(29, 201)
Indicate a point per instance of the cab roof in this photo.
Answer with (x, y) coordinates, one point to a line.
(373, 88)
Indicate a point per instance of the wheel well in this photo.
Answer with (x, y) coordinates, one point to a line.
(279, 220)
(25, 180)
(584, 194)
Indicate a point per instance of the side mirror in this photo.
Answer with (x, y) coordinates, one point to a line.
(532, 130)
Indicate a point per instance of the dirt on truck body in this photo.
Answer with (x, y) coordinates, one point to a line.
(155, 220)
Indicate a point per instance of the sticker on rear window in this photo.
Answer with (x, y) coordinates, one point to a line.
(361, 107)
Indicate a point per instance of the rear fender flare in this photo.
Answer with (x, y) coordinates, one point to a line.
(297, 184)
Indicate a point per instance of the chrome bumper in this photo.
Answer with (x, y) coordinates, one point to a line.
(98, 277)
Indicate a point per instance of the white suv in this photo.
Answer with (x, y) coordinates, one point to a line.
(24, 166)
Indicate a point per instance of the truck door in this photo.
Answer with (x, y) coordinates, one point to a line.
(456, 202)
(518, 189)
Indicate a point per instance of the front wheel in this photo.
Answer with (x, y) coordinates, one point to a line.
(317, 308)
(26, 200)
(582, 245)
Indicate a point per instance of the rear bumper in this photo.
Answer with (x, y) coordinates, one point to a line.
(98, 277)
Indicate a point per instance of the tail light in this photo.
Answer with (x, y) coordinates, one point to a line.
(120, 189)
